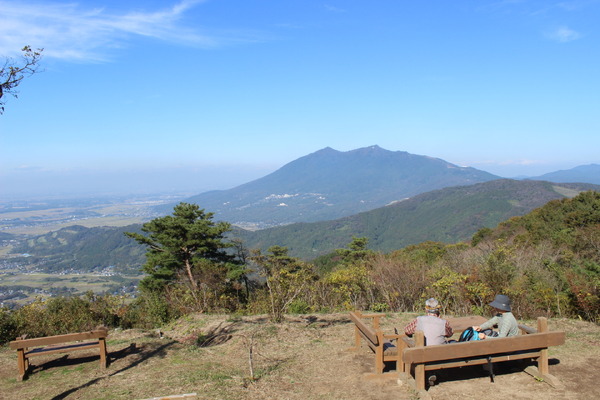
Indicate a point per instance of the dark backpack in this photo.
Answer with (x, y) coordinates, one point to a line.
(468, 334)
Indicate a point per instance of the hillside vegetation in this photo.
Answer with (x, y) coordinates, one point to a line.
(82, 249)
(547, 261)
(447, 215)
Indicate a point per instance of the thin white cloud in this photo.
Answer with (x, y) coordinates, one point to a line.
(334, 9)
(575, 5)
(564, 34)
(69, 31)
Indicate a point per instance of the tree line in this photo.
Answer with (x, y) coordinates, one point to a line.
(547, 261)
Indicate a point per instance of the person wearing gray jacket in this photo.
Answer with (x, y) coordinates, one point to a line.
(504, 319)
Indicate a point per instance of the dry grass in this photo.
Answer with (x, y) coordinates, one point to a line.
(306, 357)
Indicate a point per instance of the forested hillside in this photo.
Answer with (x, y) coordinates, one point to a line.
(82, 249)
(448, 215)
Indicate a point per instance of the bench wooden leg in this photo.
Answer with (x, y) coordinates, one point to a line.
(420, 376)
(103, 353)
(22, 363)
(399, 365)
(542, 360)
(379, 360)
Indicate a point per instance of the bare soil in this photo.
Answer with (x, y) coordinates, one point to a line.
(305, 357)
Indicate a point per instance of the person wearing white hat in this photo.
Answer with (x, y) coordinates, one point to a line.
(435, 329)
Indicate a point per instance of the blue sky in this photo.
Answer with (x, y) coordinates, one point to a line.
(198, 95)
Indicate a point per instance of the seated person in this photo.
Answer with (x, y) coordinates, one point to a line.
(504, 319)
(435, 329)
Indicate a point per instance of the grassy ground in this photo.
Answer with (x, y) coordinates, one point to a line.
(305, 357)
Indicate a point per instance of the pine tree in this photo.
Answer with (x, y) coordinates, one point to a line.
(181, 245)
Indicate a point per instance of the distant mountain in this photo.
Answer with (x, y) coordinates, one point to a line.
(330, 184)
(583, 173)
(448, 215)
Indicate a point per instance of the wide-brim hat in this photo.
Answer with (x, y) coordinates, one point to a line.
(501, 302)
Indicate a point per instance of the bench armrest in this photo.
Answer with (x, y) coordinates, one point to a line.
(408, 341)
(374, 317)
(527, 329)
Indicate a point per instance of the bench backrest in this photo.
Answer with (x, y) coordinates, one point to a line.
(368, 332)
(459, 324)
(484, 347)
(70, 337)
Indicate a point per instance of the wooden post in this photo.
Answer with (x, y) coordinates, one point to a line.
(379, 359)
(376, 322)
(400, 346)
(22, 362)
(542, 326)
(420, 367)
(103, 352)
(356, 338)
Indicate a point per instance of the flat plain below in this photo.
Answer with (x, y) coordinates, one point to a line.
(78, 284)
(305, 357)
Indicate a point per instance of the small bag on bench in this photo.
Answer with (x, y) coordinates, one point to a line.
(468, 335)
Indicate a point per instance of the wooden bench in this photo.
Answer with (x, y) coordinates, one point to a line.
(27, 348)
(381, 344)
(385, 346)
(532, 344)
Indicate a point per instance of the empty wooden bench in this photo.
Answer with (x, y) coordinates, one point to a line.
(27, 348)
(367, 329)
(532, 344)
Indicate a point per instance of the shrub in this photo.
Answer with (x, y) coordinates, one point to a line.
(7, 326)
(150, 310)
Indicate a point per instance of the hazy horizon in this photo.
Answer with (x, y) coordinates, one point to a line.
(180, 180)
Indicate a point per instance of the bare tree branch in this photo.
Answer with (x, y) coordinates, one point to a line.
(12, 73)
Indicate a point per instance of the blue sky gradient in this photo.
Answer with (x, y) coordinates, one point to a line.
(149, 96)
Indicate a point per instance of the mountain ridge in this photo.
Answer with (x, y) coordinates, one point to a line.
(329, 184)
(589, 173)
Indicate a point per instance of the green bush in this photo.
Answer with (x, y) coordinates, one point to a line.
(60, 315)
(299, 306)
(150, 310)
(7, 326)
